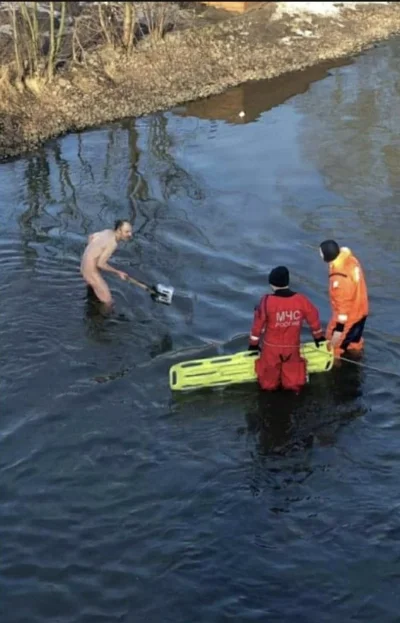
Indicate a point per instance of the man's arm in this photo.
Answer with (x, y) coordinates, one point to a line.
(103, 264)
(312, 317)
(342, 298)
(258, 325)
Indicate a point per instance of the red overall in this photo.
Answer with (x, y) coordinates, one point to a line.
(281, 316)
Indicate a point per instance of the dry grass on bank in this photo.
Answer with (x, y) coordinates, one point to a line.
(42, 39)
(116, 60)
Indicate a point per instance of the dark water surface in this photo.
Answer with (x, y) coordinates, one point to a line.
(122, 503)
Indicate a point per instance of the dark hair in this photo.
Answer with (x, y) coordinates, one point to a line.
(119, 222)
(330, 250)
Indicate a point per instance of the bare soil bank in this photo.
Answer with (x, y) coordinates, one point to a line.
(193, 63)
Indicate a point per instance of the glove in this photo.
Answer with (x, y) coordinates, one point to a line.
(253, 347)
(336, 338)
(319, 340)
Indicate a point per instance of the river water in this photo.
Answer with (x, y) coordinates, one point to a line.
(121, 502)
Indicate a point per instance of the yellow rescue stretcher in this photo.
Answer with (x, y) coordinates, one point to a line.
(239, 368)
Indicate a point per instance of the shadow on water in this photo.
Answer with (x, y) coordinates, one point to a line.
(286, 423)
(281, 421)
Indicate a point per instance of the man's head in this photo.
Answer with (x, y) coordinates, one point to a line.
(123, 230)
(279, 278)
(329, 250)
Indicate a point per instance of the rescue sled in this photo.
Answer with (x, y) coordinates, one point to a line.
(239, 368)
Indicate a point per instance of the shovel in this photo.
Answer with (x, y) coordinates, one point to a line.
(159, 293)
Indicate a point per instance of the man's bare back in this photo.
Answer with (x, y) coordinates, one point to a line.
(101, 245)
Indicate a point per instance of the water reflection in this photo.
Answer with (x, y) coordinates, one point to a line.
(254, 98)
(285, 423)
(53, 173)
(357, 151)
(281, 421)
(173, 178)
(282, 434)
(288, 431)
(37, 196)
(214, 490)
(57, 175)
(273, 423)
(69, 200)
(65, 202)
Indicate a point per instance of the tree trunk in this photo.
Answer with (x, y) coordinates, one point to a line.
(128, 26)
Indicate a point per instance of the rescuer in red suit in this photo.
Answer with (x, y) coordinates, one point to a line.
(280, 317)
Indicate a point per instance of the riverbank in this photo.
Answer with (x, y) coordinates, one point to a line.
(194, 62)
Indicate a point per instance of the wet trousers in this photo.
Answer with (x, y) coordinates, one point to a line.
(353, 336)
(275, 368)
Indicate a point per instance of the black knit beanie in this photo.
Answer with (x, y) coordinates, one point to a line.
(330, 250)
(279, 277)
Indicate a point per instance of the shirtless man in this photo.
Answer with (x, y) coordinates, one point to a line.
(101, 245)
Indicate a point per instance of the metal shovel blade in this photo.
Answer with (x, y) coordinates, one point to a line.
(163, 294)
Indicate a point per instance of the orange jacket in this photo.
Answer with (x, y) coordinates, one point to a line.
(347, 290)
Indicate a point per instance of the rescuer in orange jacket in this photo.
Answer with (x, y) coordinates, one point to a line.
(280, 316)
(348, 297)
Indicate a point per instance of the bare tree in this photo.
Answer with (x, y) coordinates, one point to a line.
(111, 23)
(129, 26)
(56, 35)
(40, 39)
(157, 17)
(32, 57)
(13, 8)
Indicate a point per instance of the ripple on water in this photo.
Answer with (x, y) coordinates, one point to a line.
(122, 502)
(12, 259)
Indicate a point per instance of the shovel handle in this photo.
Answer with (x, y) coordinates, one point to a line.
(135, 282)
